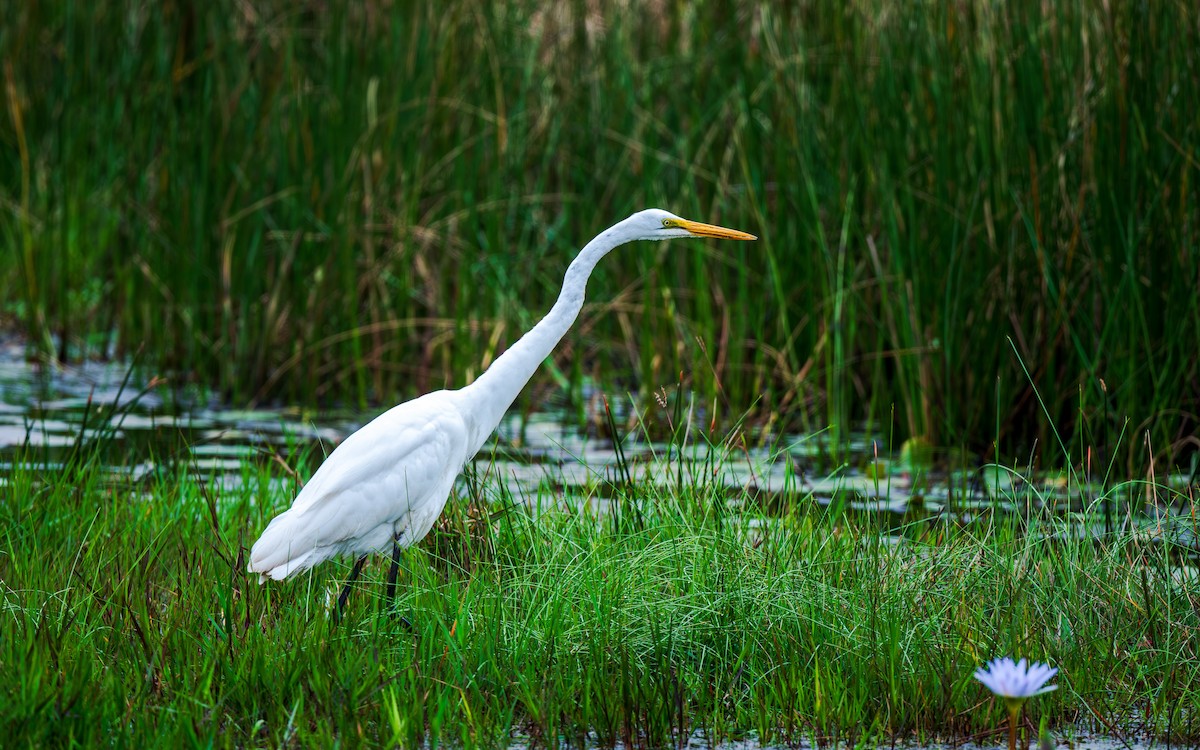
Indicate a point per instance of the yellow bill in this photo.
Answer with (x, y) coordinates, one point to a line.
(712, 230)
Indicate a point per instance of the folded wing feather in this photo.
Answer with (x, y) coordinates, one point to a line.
(390, 479)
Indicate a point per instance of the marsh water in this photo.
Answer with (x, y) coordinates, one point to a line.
(543, 458)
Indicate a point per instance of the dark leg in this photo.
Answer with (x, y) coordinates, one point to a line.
(392, 573)
(391, 584)
(341, 604)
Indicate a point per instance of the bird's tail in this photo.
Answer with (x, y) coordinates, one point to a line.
(282, 550)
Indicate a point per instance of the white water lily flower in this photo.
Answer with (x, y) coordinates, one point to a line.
(1017, 681)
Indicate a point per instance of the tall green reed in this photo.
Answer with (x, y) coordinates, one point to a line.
(357, 204)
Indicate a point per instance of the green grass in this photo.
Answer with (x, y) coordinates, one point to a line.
(299, 201)
(128, 620)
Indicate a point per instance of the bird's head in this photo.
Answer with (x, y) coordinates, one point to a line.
(656, 224)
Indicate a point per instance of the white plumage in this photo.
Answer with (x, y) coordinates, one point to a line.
(387, 483)
(390, 480)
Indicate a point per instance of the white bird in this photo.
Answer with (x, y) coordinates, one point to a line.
(388, 482)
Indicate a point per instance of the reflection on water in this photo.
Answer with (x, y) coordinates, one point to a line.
(48, 412)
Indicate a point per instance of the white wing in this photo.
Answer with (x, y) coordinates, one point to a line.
(388, 480)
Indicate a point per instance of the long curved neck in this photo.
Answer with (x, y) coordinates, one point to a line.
(488, 398)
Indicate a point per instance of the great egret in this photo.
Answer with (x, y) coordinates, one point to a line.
(388, 482)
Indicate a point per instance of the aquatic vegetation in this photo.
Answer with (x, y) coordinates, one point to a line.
(127, 613)
(278, 194)
(979, 238)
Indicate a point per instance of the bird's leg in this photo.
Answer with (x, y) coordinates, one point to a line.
(354, 572)
(394, 571)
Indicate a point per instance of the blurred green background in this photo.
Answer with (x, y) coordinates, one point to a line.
(977, 219)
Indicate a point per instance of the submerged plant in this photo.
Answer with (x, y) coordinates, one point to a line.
(1016, 682)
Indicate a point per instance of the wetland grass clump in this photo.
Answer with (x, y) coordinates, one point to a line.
(128, 617)
(359, 203)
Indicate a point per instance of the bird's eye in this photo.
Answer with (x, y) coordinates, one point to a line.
(666, 222)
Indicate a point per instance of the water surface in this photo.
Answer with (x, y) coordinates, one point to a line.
(140, 426)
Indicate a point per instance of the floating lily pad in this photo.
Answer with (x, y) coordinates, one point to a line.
(916, 454)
